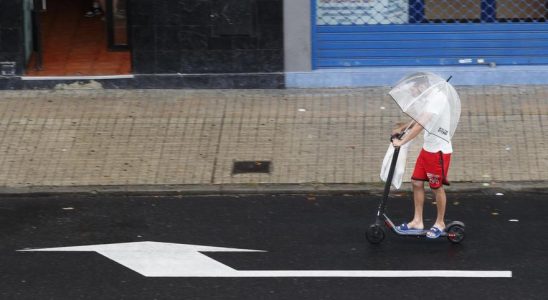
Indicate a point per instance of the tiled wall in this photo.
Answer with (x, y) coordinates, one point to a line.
(11, 33)
(206, 36)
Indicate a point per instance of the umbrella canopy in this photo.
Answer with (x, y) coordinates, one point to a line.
(431, 101)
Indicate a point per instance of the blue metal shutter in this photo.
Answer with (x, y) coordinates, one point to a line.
(347, 46)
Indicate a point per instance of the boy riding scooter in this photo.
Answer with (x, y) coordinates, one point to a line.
(434, 106)
(433, 161)
(432, 165)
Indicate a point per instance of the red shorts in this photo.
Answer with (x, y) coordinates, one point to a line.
(432, 167)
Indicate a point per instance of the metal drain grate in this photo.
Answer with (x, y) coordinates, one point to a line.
(254, 166)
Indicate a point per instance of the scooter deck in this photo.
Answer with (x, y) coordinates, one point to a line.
(415, 232)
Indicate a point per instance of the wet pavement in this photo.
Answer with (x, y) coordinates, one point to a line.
(135, 138)
(505, 232)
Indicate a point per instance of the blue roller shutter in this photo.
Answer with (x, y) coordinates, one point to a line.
(444, 44)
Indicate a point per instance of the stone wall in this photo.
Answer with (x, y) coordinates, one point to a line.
(206, 36)
(11, 36)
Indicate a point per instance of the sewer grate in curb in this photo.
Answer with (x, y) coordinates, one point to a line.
(254, 166)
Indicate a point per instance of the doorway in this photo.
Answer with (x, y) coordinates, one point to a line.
(74, 39)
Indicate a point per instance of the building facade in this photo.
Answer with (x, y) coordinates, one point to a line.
(188, 43)
(268, 43)
(375, 42)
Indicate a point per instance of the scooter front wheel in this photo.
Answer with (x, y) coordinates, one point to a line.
(375, 234)
(455, 233)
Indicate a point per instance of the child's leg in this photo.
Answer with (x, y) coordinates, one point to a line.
(418, 199)
(441, 202)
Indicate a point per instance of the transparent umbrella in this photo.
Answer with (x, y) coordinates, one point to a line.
(431, 101)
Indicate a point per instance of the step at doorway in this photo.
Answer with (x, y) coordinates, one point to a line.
(71, 38)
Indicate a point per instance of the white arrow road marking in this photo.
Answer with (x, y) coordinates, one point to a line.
(154, 259)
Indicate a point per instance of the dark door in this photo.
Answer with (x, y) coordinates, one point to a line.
(116, 13)
(37, 8)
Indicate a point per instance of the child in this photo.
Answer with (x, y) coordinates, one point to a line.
(432, 165)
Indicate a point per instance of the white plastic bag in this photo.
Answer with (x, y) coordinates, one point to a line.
(400, 165)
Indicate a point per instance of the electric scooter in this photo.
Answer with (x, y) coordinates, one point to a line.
(375, 234)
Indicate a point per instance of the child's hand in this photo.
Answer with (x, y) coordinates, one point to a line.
(397, 143)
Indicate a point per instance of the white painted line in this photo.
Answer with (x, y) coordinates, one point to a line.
(374, 274)
(153, 259)
(77, 77)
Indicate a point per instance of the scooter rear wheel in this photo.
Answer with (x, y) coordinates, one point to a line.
(455, 233)
(375, 234)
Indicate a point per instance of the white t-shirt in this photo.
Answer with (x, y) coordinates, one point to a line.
(433, 143)
(436, 107)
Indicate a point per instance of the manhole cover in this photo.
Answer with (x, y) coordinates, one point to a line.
(254, 166)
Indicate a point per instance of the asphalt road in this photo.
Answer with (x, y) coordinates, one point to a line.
(297, 232)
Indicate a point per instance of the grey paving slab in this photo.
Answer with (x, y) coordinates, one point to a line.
(73, 138)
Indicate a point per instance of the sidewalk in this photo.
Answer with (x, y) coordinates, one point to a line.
(74, 138)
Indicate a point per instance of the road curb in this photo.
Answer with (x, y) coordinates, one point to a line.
(227, 189)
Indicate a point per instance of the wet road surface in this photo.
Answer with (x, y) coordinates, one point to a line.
(297, 232)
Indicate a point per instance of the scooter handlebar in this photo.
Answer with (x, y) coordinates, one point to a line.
(396, 136)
